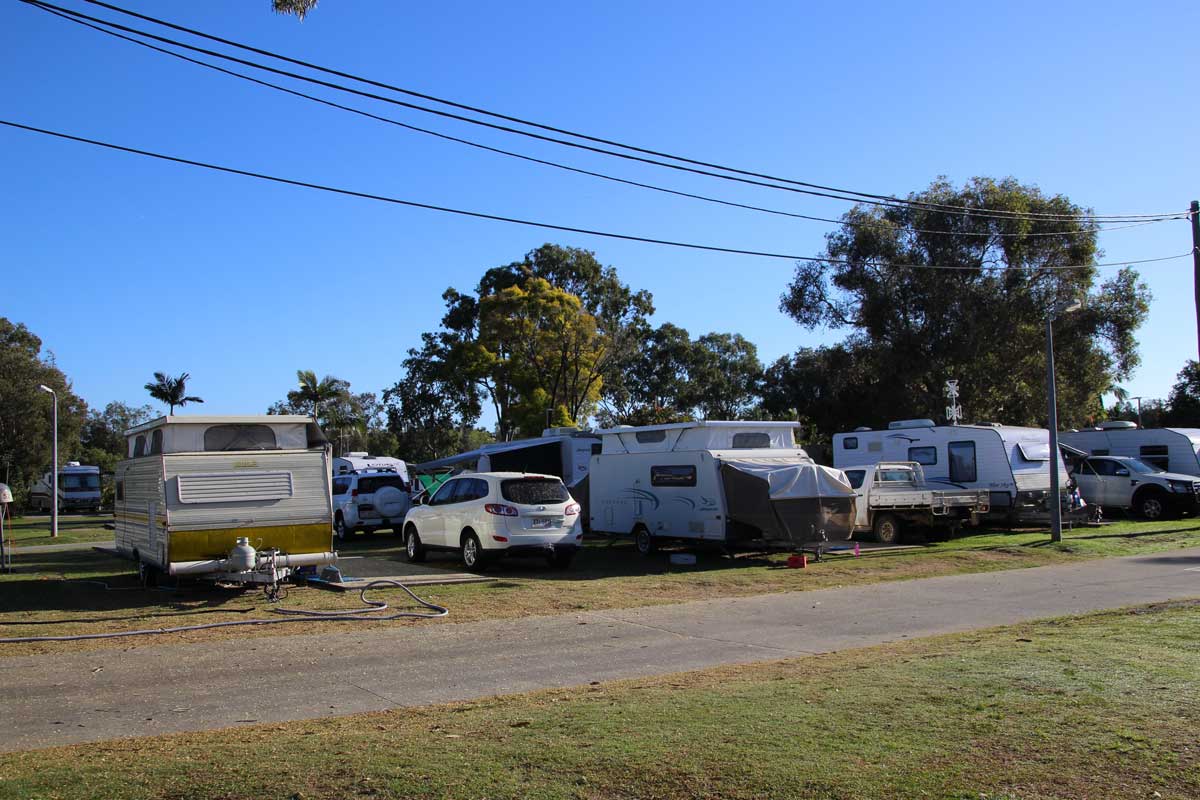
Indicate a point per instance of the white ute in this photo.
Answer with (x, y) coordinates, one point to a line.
(892, 493)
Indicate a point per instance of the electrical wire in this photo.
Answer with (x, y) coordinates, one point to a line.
(557, 165)
(864, 198)
(284, 615)
(525, 222)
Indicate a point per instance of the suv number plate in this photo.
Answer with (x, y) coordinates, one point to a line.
(541, 522)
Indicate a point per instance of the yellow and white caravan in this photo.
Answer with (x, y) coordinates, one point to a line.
(241, 499)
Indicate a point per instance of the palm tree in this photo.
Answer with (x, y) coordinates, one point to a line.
(171, 391)
(316, 393)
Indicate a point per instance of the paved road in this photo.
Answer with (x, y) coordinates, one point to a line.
(149, 690)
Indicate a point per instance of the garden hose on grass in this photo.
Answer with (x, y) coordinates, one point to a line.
(374, 607)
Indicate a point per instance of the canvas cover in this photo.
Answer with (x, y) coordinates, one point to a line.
(795, 503)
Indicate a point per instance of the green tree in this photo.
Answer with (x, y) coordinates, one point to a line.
(171, 391)
(979, 319)
(299, 8)
(102, 440)
(25, 410)
(725, 376)
(313, 395)
(431, 411)
(1183, 403)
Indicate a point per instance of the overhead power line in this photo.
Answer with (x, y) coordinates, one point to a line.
(881, 200)
(555, 164)
(525, 222)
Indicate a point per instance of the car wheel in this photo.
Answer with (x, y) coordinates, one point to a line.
(414, 551)
(1151, 505)
(473, 557)
(341, 531)
(560, 560)
(886, 529)
(147, 574)
(644, 541)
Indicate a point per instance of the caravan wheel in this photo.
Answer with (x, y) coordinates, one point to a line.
(644, 541)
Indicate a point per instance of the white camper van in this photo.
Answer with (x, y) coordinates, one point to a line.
(241, 499)
(1012, 463)
(563, 452)
(1169, 449)
(736, 483)
(78, 489)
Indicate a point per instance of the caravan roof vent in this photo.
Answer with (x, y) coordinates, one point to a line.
(1117, 425)
(861, 428)
(72, 464)
(901, 424)
(988, 424)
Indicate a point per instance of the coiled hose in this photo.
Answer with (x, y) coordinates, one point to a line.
(285, 615)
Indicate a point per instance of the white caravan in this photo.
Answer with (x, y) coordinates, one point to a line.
(78, 488)
(562, 452)
(1169, 449)
(360, 463)
(1012, 463)
(735, 483)
(243, 499)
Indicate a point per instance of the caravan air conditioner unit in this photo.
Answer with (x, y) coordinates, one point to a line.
(901, 424)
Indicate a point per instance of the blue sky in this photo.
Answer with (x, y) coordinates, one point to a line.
(125, 266)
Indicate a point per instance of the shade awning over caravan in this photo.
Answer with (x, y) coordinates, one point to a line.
(791, 503)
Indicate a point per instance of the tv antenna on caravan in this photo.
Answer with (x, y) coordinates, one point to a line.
(954, 410)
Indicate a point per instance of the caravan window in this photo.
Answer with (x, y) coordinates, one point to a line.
(673, 475)
(139, 446)
(239, 437)
(850, 443)
(962, 462)
(156, 442)
(925, 456)
(651, 437)
(750, 441)
(1156, 455)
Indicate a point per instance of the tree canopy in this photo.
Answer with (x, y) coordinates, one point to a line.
(929, 294)
(25, 410)
(171, 391)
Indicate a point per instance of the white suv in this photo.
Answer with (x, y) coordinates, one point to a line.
(485, 515)
(368, 501)
(1121, 482)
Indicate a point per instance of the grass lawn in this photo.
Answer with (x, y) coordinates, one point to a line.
(35, 600)
(35, 530)
(1101, 706)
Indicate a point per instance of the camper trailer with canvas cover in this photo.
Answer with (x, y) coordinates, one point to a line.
(243, 499)
(1169, 449)
(740, 484)
(1012, 463)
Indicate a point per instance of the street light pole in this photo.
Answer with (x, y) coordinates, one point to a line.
(1139, 402)
(1055, 500)
(53, 464)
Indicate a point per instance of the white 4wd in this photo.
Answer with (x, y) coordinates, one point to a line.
(484, 515)
(369, 501)
(1121, 482)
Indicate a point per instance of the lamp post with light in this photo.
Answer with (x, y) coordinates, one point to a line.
(53, 464)
(1055, 500)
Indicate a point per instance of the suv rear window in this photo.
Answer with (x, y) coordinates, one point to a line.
(375, 483)
(534, 491)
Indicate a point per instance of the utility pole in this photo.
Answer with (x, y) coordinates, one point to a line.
(1139, 402)
(1195, 217)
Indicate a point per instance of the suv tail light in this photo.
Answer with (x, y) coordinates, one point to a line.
(500, 510)
(572, 510)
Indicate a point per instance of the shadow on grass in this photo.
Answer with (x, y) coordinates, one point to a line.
(1100, 536)
(83, 581)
